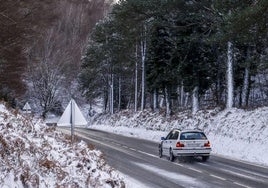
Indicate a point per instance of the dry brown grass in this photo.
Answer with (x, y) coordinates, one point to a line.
(33, 152)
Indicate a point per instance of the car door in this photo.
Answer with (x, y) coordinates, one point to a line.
(174, 139)
(166, 143)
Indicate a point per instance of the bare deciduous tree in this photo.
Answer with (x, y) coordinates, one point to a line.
(20, 23)
(54, 61)
(45, 70)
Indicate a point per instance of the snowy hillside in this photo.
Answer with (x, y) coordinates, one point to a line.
(234, 133)
(33, 155)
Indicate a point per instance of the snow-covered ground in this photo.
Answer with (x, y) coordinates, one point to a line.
(234, 133)
(35, 155)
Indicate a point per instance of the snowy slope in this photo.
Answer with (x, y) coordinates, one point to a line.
(33, 155)
(234, 133)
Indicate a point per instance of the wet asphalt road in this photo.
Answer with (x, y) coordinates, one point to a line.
(139, 160)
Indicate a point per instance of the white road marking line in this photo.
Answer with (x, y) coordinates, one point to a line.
(151, 155)
(218, 177)
(195, 169)
(259, 179)
(178, 164)
(254, 176)
(242, 185)
(241, 161)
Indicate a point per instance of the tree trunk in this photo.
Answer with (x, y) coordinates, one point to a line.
(230, 82)
(136, 81)
(245, 87)
(218, 83)
(112, 94)
(119, 93)
(195, 105)
(143, 77)
(143, 55)
(182, 94)
(186, 99)
(105, 101)
(167, 99)
(155, 102)
(246, 83)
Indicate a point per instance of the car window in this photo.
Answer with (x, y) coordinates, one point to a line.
(175, 135)
(193, 136)
(169, 135)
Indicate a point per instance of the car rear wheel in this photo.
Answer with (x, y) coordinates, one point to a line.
(205, 158)
(171, 156)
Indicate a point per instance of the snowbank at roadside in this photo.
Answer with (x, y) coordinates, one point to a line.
(34, 155)
(234, 133)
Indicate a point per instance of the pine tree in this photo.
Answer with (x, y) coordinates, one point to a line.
(245, 24)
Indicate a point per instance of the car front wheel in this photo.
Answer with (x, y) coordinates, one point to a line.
(160, 152)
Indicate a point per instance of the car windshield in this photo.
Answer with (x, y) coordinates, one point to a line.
(193, 136)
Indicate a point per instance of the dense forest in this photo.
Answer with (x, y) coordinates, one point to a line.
(167, 55)
(41, 43)
(176, 55)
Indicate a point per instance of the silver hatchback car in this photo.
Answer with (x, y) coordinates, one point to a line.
(193, 143)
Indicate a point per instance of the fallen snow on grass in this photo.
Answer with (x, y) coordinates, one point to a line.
(34, 155)
(234, 133)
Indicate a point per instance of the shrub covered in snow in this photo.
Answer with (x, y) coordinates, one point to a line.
(34, 155)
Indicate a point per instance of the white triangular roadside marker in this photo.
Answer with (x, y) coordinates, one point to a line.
(27, 108)
(72, 115)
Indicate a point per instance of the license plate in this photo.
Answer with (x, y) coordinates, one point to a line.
(193, 145)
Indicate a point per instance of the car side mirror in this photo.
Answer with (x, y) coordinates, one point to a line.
(163, 138)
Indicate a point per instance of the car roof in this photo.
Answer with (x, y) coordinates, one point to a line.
(187, 130)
